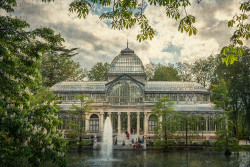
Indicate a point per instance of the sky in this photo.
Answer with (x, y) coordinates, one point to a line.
(97, 42)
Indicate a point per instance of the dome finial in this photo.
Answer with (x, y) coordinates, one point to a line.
(127, 41)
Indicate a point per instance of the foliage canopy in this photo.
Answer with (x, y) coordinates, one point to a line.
(27, 131)
(99, 72)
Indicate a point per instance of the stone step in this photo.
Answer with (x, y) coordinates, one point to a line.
(126, 140)
(122, 137)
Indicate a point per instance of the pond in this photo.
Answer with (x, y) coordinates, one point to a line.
(192, 158)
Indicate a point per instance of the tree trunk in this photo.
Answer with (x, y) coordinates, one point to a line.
(80, 134)
(248, 119)
(166, 138)
(236, 129)
(186, 133)
(80, 145)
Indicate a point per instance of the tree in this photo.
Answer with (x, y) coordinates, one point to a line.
(226, 140)
(27, 132)
(189, 123)
(168, 118)
(47, 142)
(220, 95)
(203, 70)
(79, 112)
(165, 73)
(99, 72)
(149, 70)
(56, 68)
(184, 71)
(44, 94)
(235, 50)
(237, 78)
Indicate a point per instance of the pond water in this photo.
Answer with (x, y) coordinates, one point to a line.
(193, 158)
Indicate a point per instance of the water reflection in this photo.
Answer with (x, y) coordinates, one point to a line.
(157, 158)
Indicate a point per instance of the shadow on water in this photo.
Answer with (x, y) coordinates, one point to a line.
(192, 158)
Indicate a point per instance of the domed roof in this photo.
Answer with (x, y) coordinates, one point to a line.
(126, 63)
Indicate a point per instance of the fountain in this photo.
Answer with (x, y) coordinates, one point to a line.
(107, 142)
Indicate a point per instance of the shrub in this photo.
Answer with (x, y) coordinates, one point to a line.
(150, 143)
(206, 143)
(181, 143)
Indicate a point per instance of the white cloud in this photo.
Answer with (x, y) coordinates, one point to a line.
(99, 43)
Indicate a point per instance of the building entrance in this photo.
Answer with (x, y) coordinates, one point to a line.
(124, 122)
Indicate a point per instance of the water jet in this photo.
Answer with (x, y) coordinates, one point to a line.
(107, 144)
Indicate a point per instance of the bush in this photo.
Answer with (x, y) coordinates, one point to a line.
(164, 143)
(87, 143)
(181, 143)
(150, 143)
(171, 143)
(159, 143)
(206, 143)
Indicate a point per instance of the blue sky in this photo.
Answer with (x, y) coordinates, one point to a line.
(97, 42)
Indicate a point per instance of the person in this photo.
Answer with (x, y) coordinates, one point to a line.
(142, 139)
(139, 145)
(128, 136)
(132, 141)
(136, 142)
(123, 143)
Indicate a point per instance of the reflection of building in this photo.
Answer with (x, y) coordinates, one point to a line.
(127, 97)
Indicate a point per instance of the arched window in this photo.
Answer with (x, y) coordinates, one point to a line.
(152, 122)
(125, 91)
(94, 123)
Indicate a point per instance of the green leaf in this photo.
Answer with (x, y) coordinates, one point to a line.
(190, 32)
(239, 42)
(194, 31)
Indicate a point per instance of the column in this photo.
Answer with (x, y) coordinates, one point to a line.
(119, 122)
(110, 117)
(206, 118)
(101, 121)
(128, 126)
(87, 123)
(145, 124)
(138, 123)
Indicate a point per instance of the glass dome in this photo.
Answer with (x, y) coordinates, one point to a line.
(126, 63)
